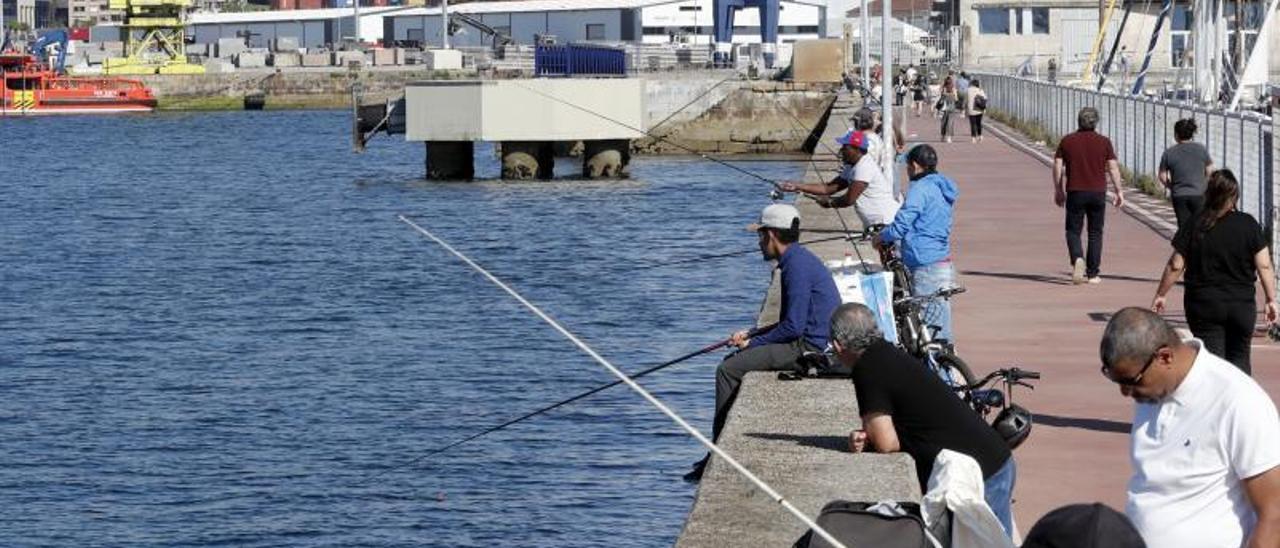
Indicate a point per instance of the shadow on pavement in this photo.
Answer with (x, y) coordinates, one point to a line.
(1064, 279)
(1099, 425)
(833, 443)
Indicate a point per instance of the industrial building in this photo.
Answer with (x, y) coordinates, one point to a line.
(314, 28)
(646, 21)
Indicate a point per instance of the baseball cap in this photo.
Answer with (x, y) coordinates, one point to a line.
(1084, 526)
(779, 216)
(855, 139)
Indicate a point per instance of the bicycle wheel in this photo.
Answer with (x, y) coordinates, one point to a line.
(948, 362)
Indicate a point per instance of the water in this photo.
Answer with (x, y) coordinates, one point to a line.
(214, 332)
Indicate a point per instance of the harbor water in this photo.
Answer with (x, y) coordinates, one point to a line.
(214, 331)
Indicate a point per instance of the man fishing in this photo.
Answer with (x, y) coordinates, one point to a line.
(809, 295)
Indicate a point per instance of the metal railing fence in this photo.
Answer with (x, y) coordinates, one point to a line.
(1141, 129)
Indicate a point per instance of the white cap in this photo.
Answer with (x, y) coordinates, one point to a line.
(780, 216)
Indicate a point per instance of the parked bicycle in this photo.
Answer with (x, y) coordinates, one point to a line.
(1013, 422)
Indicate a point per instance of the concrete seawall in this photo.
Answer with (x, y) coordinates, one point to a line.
(794, 434)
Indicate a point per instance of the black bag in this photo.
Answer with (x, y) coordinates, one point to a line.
(817, 365)
(980, 102)
(852, 524)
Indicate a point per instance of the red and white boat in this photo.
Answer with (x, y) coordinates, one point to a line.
(32, 88)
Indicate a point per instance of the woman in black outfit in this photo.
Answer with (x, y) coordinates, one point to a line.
(1223, 253)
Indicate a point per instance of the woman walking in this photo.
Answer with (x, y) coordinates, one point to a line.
(975, 105)
(947, 101)
(1223, 253)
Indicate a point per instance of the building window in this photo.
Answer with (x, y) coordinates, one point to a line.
(1040, 20)
(1179, 34)
(595, 32)
(993, 21)
(1017, 19)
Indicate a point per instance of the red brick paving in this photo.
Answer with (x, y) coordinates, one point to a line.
(1021, 309)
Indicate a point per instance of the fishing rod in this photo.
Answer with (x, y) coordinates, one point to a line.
(759, 483)
(775, 184)
(842, 236)
(532, 414)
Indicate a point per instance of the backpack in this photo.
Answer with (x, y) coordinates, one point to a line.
(853, 524)
(980, 102)
(818, 365)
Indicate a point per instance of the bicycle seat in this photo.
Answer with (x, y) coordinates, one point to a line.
(989, 397)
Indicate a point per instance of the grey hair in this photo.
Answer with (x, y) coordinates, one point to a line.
(1135, 334)
(1088, 118)
(854, 326)
(864, 119)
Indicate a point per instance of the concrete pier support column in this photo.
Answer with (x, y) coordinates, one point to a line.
(528, 160)
(450, 160)
(605, 159)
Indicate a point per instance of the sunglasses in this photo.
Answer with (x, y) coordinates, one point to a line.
(1134, 380)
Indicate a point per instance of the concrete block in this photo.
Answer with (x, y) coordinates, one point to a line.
(817, 60)
(96, 57)
(281, 59)
(218, 66)
(199, 49)
(115, 49)
(230, 47)
(443, 59)
(315, 60)
(285, 44)
(344, 58)
(384, 57)
(251, 60)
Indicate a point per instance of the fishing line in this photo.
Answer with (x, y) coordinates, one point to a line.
(842, 236)
(635, 387)
(776, 186)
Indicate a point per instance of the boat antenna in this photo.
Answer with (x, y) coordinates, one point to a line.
(728, 459)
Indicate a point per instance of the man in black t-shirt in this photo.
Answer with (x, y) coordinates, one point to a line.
(904, 407)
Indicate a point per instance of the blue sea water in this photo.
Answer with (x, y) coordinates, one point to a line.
(214, 331)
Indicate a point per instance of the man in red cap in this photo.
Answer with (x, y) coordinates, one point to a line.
(868, 190)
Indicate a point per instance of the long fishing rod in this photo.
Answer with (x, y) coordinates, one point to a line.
(775, 184)
(561, 403)
(759, 483)
(699, 258)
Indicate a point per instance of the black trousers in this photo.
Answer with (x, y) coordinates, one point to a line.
(1187, 208)
(769, 357)
(975, 125)
(1093, 206)
(1225, 326)
(946, 123)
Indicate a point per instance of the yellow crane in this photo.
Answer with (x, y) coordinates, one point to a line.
(155, 38)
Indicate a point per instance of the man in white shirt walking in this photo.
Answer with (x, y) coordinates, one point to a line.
(1205, 444)
(869, 191)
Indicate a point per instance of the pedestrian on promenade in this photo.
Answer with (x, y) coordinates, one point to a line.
(947, 100)
(1223, 253)
(919, 89)
(923, 226)
(975, 105)
(1184, 168)
(809, 296)
(865, 185)
(1080, 169)
(1205, 443)
(906, 408)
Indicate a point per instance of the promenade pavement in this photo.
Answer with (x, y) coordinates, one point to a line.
(1021, 309)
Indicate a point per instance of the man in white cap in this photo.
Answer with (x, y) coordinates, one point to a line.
(867, 189)
(809, 296)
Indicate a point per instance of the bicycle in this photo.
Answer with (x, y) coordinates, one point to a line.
(1013, 423)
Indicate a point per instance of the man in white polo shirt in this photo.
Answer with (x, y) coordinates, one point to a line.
(868, 190)
(1205, 444)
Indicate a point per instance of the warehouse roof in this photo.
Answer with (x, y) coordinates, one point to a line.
(556, 5)
(284, 15)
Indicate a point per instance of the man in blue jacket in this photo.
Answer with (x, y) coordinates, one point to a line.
(809, 296)
(922, 228)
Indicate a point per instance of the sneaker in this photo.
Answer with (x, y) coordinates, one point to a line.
(695, 475)
(1095, 280)
(1077, 271)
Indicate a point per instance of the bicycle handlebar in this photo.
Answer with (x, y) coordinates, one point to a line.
(946, 293)
(1014, 375)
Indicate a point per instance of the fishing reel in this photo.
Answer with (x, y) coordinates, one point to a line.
(775, 195)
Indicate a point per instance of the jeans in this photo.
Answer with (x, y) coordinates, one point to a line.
(1081, 204)
(1187, 208)
(1225, 327)
(928, 279)
(975, 125)
(998, 490)
(946, 123)
(769, 357)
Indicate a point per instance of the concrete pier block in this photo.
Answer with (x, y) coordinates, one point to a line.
(450, 160)
(527, 160)
(605, 159)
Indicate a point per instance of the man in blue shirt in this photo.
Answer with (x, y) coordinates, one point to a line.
(809, 296)
(923, 229)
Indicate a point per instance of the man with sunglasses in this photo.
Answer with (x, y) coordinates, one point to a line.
(1205, 444)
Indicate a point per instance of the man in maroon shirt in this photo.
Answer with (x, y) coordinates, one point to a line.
(1080, 169)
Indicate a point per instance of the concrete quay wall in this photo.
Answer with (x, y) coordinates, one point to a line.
(794, 434)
